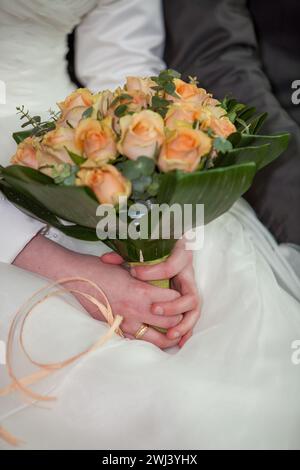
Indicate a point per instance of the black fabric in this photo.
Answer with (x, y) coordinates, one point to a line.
(250, 49)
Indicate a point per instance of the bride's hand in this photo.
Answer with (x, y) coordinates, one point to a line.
(179, 268)
(128, 297)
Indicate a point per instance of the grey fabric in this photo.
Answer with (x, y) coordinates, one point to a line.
(250, 50)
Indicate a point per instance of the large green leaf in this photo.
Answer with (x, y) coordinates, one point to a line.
(277, 144)
(32, 208)
(256, 124)
(257, 155)
(217, 189)
(71, 203)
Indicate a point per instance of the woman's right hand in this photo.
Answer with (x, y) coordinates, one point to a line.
(128, 297)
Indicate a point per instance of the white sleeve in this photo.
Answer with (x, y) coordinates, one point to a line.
(17, 229)
(119, 38)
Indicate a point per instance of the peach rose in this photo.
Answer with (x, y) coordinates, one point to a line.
(136, 101)
(107, 183)
(101, 103)
(183, 150)
(140, 84)
(216, 110)
(182, 113)
(188, 92)
(80, 97)
(26, 154)
(96, 140)
(55, 144)
(72, 117)
(141, 134)
(222, 127)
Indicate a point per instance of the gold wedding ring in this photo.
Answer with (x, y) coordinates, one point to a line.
(141, 331)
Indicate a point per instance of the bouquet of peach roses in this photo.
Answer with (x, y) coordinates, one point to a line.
(157, 140)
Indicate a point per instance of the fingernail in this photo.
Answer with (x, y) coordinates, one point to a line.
(133, 272)
(175, 334)
(159, 311)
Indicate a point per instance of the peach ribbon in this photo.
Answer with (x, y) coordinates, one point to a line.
(22, 384)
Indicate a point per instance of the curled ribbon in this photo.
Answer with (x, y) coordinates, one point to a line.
(22, 384)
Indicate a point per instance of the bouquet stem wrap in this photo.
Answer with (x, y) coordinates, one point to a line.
(163, 283)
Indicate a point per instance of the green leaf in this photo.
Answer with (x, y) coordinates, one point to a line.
(277, 144)
(170, 88)
(222, 145)
(87, 113)
(121, 110)
(21, 135)
(256, 124)
(171, 73)
(122, 97)
(34, 209)
(158, 102)
(129, 169)
(255, 154)
(217, 189)
(70, 203)
(133, 169)
(234, 138)
(141, 184)
(145, 165)
(77, 159)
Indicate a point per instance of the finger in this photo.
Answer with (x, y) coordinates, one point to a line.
(181, 305)
(111, 258)
(155, 294)
(165, 270)
(162, 322)
(185, 338)
(189, 321)
(151, 335)
(159, 339)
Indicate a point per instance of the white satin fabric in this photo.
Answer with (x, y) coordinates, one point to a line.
(234, 384)
(114, 39)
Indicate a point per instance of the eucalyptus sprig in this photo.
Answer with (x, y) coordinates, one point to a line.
(39, 127)
(165, 82)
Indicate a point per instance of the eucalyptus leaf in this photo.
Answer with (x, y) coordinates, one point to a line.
(87, 113)
(222, 145)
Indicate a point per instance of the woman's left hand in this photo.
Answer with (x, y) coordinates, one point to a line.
(178, 267)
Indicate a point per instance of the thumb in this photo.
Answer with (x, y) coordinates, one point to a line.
(112, 258)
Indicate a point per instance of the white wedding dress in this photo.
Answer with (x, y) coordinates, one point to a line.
(236, 383)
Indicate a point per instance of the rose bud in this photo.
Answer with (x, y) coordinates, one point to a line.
(107, 183)
(80, 97)
(145, 85)
(26, 154)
